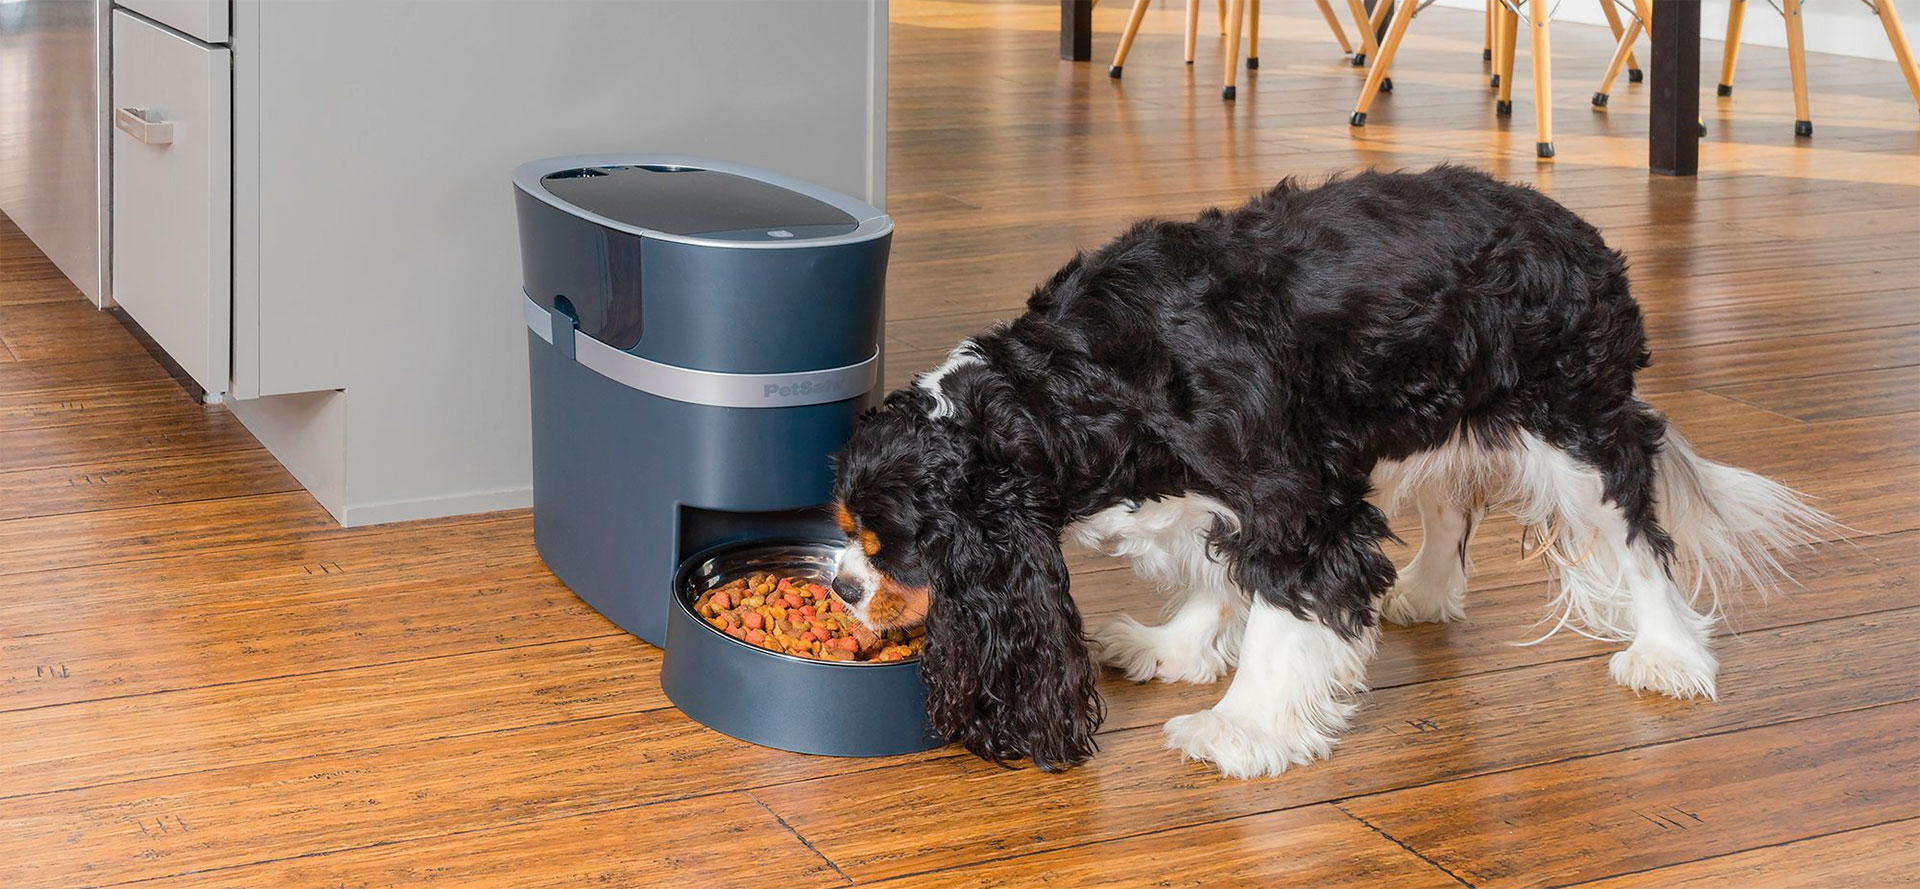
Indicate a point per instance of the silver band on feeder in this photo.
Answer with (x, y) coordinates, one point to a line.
(707, 387)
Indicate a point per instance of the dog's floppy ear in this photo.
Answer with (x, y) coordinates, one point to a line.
(1006, 665)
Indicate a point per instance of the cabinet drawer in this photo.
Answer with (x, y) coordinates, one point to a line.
(172, 194)
(209, 20)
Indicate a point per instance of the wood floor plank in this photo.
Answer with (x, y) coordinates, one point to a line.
(1704, 322)
(449, 615)
(329, 565)
(36, 287)
(218, 725)
(101, 404)
(1861, 280)
(1754, 361)
(146, 532)
(713, 841)
(53, 377)
(1759, 255)
(877, 824)
(65, 331)
(1889, 220)
(1836, 396)
(1664, 804)
(171, 431)
(1882, 857)
(151, 481)
(1315, 846)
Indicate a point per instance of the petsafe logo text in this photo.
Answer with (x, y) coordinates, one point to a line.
(802, 389)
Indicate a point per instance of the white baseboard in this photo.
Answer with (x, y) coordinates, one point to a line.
(356, 515)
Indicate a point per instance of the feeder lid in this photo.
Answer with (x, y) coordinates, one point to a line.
(684, 199)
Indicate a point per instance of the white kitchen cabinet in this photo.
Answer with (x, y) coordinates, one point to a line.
(329, 237)
(172, 110)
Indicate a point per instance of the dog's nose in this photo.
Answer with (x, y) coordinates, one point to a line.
(848, 593)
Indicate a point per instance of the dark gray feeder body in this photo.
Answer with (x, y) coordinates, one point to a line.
(701, 337)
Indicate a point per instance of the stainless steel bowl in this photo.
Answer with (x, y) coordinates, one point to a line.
(812, 560)
(853, 708)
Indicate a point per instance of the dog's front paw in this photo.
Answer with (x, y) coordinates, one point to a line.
(1143, 653)
(1415, 599)
(1245, 748)
(1675, 671)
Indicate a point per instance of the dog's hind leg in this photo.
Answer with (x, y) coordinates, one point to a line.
(1167, 543)
(1433, 587)
(1611, 559)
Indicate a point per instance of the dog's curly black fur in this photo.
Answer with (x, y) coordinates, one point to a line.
(1266, 357)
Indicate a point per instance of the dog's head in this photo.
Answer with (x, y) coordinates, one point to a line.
(943, 527)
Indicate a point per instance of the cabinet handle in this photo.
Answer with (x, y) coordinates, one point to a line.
(135, 122)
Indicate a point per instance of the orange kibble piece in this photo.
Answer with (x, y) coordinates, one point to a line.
(753, 620)
(755, 636)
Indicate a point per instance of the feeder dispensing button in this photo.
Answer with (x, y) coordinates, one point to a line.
(779, 233)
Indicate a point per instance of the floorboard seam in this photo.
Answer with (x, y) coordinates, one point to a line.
(1410, 850)
(796, 835)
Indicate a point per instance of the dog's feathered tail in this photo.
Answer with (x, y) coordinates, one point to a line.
(1731, 528)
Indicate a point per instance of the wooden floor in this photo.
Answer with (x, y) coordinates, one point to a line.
(204, 683)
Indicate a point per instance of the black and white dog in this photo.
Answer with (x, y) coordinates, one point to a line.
(1231, 403)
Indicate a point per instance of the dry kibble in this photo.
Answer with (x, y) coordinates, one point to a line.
(785, 615)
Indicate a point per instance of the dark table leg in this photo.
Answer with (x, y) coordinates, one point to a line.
(1076, 30)
(1674, 137)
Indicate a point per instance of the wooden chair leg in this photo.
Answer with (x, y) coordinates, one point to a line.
(1902, 51)
(1619, 32)
(1193, 26)
(1333, 21)
(1736, 14)
(1621, 54)
(1377, 75)
(1499, 45)
(1126, 37)
(1537, 11)
(1369, 45)
(1797, 63)
(1486, 33)
(1253, 34)
(1508, 35)
(1236, 13)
